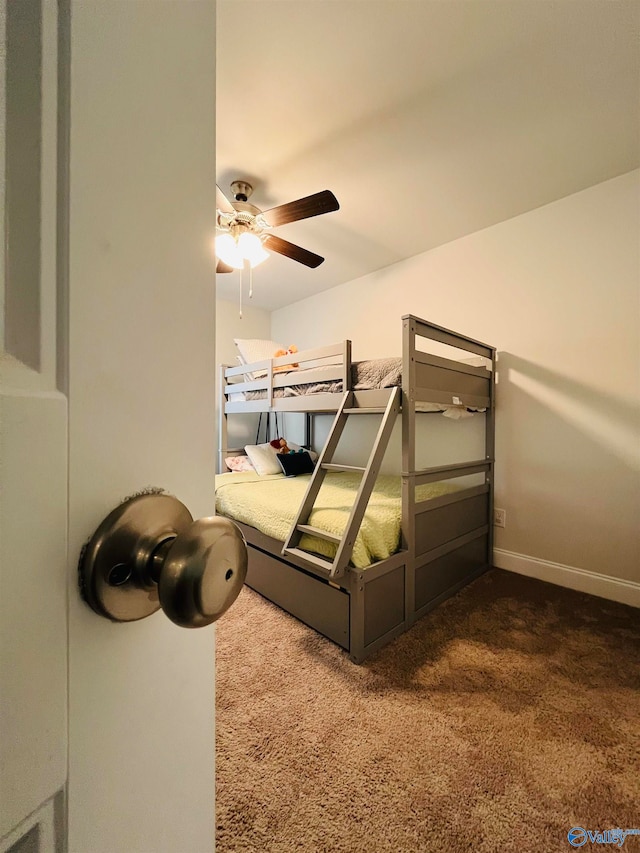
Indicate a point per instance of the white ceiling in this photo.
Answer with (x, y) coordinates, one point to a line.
(428, 119)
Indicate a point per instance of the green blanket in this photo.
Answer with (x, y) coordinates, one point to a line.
(270, 504)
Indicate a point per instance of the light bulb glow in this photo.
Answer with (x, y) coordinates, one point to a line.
(250, 246)
(228, 251)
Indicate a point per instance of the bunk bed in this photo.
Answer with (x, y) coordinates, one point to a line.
(445, 536)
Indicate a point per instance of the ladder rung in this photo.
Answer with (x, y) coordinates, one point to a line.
(315, 531)
(320, 562)
(339, 564)
(362, 410)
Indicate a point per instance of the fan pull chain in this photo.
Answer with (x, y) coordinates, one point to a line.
(241, 294)
(250, 282)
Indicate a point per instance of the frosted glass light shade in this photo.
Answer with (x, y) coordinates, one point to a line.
(228, 252)
(250, 246)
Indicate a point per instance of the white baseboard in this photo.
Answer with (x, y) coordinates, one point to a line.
(615, 589)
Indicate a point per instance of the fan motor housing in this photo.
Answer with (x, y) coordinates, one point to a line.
(241, 190)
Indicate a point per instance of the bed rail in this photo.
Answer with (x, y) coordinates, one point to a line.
(321, 364)
(425, 329)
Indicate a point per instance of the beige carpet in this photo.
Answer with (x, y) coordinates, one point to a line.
(501, 720)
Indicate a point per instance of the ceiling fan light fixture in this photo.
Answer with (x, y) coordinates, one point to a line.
(250, 247)
(228, 251)
(246, 230)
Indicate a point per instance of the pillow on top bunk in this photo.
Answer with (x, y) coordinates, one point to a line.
(256, 349)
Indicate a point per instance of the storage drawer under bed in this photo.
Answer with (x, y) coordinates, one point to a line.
(319, 605)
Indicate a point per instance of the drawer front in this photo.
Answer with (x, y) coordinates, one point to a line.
(314, 602)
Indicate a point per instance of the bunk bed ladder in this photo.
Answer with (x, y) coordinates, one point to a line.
(336, 567)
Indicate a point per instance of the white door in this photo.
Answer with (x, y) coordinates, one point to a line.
(107, 389)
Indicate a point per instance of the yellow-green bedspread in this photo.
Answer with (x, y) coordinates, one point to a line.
(269, 503)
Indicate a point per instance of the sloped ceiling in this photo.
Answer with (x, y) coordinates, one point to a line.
(428, 119)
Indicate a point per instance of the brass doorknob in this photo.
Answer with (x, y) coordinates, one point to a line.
(150, 553)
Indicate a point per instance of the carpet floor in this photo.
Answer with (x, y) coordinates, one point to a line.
(504, 718)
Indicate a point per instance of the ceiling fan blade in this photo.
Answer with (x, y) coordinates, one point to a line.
(222, 202)
(303, 208)
(222, 267)
(290, 250)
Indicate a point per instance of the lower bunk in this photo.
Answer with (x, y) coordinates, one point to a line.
(371, 606)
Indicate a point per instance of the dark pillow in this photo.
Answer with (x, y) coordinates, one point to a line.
(293, 464)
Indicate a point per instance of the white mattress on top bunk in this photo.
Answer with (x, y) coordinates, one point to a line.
(367, 375)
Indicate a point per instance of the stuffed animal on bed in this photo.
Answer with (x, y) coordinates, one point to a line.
(280, 445)
(292, 349)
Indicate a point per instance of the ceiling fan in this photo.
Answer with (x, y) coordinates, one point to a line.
(244, 231)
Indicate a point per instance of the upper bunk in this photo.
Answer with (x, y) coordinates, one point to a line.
(315, 380)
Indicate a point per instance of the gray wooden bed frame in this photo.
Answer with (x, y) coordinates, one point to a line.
(445, 542)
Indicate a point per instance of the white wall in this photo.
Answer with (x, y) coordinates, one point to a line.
(254, 323)
(556, 291)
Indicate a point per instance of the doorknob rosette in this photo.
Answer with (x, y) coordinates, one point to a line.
(149, 553)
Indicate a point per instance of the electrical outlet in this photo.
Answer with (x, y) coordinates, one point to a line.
(499, 517)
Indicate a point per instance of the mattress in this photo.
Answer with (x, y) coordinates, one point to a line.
(368, 375)
(365, 376)
(270, 504)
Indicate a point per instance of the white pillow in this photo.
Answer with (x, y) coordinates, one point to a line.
(293, 446)
(263, 459)
(256, 349)
(239, 463)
